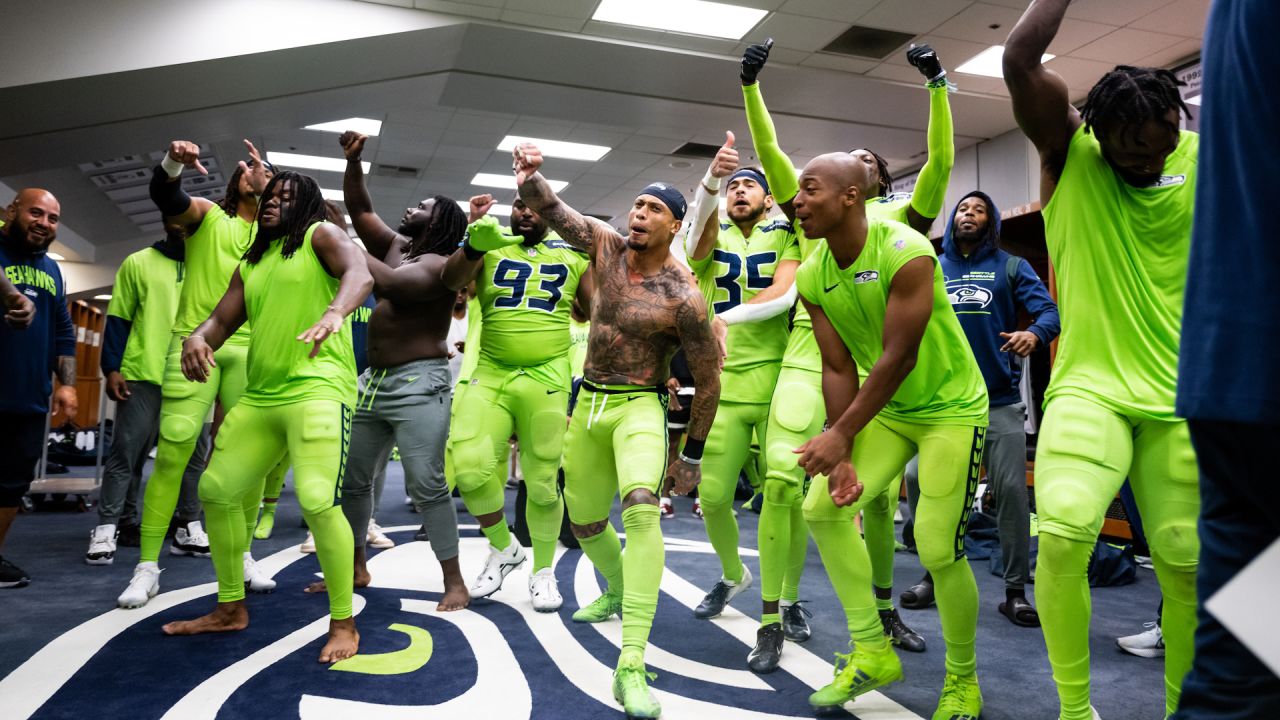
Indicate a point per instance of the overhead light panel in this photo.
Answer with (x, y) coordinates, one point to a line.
(55, 256)
(508, 182)
(495, 210)
(557, 148)
(988, 62)
(310, 162)
(364, 126)
(694, 17)
(334, 195)
(101, 297)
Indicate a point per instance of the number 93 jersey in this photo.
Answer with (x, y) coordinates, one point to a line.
(526, 295)
(735, 270)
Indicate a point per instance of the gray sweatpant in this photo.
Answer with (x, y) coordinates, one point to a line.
(134, 434)
(1005, 457)
(405, 406)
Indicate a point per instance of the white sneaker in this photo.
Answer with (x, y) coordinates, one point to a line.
(1148, 644)
(544, 590)
(190, 540)
(378, 539)
(254, 579)
(499, 564)
(308, 545)
(102, 545)
(144, 586)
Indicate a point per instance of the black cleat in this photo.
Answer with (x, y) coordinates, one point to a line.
(12, 576)
(898, 632)
(794, 624)
(918, 596)
(716, 600)
(767, 653)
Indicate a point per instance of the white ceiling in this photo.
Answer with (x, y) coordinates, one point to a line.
(461, 75)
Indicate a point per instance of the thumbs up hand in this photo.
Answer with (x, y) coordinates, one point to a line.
(726, 160)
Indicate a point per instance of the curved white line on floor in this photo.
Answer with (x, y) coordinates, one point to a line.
(500, 690)
(206, 699)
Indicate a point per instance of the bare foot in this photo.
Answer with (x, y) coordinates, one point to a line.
(456, 595)
(360, 580)
(226, 617)
(343, 642)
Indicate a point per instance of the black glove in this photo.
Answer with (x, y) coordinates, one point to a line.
(925, 59)
(753, 61)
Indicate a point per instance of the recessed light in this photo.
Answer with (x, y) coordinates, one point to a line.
(310, 162)
(55, 256)
(694, 17)
(508, 182)
(558, 148)
(102, 297)
(495, 210)
(334, 195)
(364, 126)
(988, 62)
(680, 164)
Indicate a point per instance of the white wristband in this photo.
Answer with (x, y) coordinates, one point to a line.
(171, 167)
(711, 182)
(690, 461)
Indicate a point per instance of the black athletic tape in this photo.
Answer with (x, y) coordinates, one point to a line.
(168, 194)
(693, 448)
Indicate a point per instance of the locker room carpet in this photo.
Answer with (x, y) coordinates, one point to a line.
(66, 653)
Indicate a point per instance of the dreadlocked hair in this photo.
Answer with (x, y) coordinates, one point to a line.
(882, 169)
(1133, 95)
(304, 209)
(230, 201)
(444, 233)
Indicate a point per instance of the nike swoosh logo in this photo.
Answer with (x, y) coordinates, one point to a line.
(552, 392)
(410, 379)
(833, 287)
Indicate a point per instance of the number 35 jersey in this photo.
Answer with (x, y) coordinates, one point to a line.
(526, 296)
(735, 270)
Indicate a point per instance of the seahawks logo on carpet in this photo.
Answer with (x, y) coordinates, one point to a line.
(499, 658)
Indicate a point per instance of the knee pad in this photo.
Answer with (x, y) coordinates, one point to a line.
(547, 431)
(182, 429)
(542, 491)
(472, 452)
(936, 552)
(798, 407)
(779, 492)
(314, 496)
(1176, 544)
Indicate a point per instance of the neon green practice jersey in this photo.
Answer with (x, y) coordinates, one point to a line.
(1120, 256)
(731, 274)
(946, 386)
(284, 297)
(213, 252)
(579, 334)
(146, 295)
(526, 297)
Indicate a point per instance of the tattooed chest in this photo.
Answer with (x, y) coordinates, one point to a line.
(633, 333)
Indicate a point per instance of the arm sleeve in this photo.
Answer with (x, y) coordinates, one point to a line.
(931, 183)
(168, 194)
(113, 344)
(778, 169)
(704, 205)
(747, 312)
(1034, 296)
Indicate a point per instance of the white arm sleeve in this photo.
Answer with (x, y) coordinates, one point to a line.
(760, 311)
(704, 205)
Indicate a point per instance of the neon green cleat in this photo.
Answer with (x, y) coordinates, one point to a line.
(961, 699)
(631, 690)
(267, 522)
(862, 672)
(608, 604)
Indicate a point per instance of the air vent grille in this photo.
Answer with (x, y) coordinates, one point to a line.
(697, 150)
(867, 42)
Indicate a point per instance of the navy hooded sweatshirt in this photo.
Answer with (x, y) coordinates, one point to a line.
(986, 297)
(28, 357)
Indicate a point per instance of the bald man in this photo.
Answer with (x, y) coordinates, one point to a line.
(876, 296)
(30, 357)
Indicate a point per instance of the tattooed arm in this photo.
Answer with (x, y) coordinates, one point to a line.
(703, 354)
(576, 229)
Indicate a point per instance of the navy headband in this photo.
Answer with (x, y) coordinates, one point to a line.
(669, 196)
(751, 175)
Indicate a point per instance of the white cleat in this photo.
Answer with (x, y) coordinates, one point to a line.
(378, 539)
(544, 590)
(190, 540)
(102, 545)
(254, 579)
(308, 545)
(144, 586)
(499, 564)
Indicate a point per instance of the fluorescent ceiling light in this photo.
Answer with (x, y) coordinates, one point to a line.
(494, 210)
(364, 126)
(331, 194)
(310, 162)
(557, 148)
(1194, 99)
(694, 17)
(55, 256)
(102, 297)
(988, 62)
(508, 182)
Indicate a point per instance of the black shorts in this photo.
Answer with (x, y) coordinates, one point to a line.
(22, 439)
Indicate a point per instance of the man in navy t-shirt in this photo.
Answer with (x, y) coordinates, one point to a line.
(1228, 386)
(30, 357)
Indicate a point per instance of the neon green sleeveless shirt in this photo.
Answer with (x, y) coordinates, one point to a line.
(284, 297)
(1120, 256)
(212, 253)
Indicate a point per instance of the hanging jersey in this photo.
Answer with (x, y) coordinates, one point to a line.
(212, 253)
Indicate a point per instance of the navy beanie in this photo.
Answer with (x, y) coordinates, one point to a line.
(751, 175)
(669, 196)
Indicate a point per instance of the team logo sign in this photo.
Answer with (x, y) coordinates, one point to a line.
(499, 658)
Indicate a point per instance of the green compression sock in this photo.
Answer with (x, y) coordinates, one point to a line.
(722, 531)
(773, 538)
(544, 529)
(604, 550)
(845, 557)
(335, 551)
(877, 526)
(797, 551)
(958, 612)
(767, 619)
(1062, 594)
(1178, 585)
(499, 534)
(642, 569)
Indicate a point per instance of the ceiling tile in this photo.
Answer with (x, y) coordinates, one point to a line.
(974, 24)
(1172, 56)
(913, 17)
(843, 10)
(458, 8)
(1127, 46)
(581, 9)
(540, 20)
(475, 123)
(798, 32)
(1112, 12)
(1181, 17)
(1077, 33)
(834, 61)
(1081, 75)
(893, 71)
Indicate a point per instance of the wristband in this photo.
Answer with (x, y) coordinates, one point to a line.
(692, 452)
(689, 461)
(711, 183)
(471, 253)
(171, 167)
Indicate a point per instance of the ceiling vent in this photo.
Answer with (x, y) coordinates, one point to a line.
(867, 42)
(697, 150)
(396, 171)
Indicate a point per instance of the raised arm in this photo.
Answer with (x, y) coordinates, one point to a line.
(706, 218)
(778, 169)
(573, 227)
(166, 186)
(374, 233)
(483, 234)
(931, 183)
(227, 317)
(703, 353)
(1041, 104)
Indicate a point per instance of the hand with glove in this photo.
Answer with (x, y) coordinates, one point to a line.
(753, 61)
(925, 59)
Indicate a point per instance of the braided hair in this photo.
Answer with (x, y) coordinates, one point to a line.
(444, 233)
(230, 201)
(304, 209)
(1133, 95)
